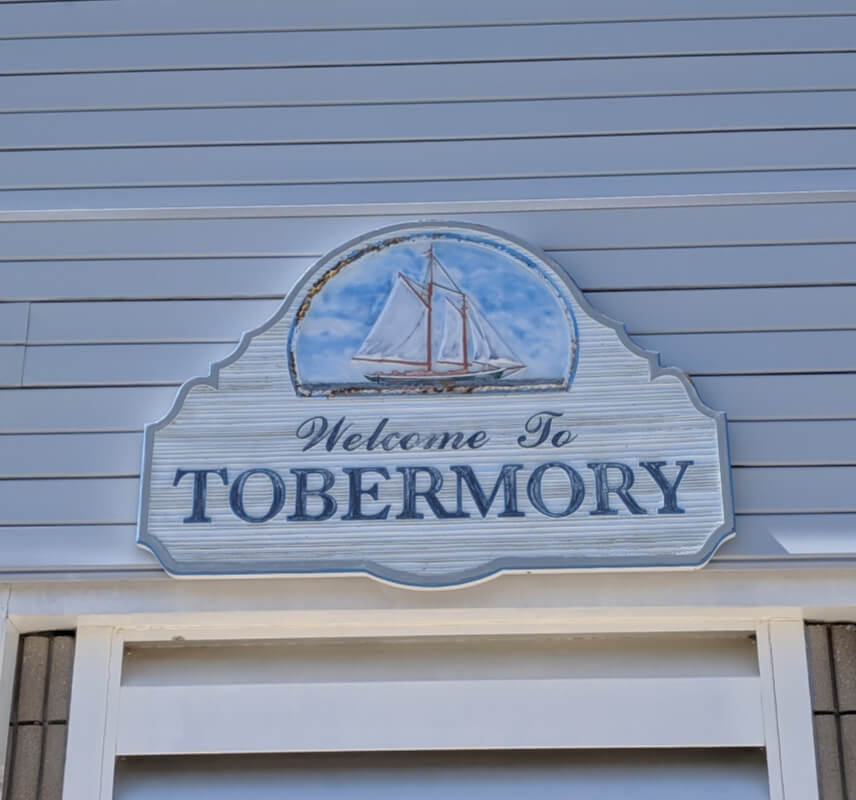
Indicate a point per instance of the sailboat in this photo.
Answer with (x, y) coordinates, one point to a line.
(470, 351)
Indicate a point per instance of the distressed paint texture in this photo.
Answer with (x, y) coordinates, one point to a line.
(621, 407)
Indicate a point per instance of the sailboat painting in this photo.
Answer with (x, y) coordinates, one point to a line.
(436, 311)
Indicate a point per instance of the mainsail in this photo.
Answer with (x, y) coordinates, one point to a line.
(470, 348)
(404, 312)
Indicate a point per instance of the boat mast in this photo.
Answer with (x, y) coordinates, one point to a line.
(464, 329)
(428, 361)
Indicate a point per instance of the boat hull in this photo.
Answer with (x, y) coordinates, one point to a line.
(438, 379)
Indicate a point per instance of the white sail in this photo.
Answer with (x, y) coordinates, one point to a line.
(400, 331)
(452, 344)
(488, 346)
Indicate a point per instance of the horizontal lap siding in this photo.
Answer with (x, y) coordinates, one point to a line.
(164, 16)
(360, 111)
(224, 103)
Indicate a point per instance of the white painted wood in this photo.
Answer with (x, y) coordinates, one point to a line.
(287, 232)
(70, 454)
(8, 668)
(790, 741)
(87, 409)
(138, 16)
(156, 607)
(483, 120)
(92, 717)
(500, 775)
(13, 322)
(420, 45)
(440, 658)
(166, 321)
(397, 161)
(405, 715)
(428, 82)
(114, 364)
(11, 365)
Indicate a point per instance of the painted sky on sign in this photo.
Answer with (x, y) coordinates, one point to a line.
(518, 300)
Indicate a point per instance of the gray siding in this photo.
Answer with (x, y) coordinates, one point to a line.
(207, 153)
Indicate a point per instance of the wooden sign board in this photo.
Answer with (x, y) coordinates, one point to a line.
(432, 404)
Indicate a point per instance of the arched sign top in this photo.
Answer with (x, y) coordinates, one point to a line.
(434, 309)
(432, 404)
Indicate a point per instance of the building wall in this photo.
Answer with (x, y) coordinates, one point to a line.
(167, 172)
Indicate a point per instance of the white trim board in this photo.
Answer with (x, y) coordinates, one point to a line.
(770, 710)
(430, 208)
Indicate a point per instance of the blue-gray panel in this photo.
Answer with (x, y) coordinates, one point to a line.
(154, 321)
(771, 397)
(429, 82)
(793, 443)
(79, 501)
(432, 191)
(13, 320)
(484, 120)
(414, 161)
(112, 364)
(595, 271)
(120, 408)
(642, 312)
(779, 352)
(72, 547)
(780, 536)
(69, 501)
(11, 362)
(110, 547)
(719, 310)
(136, 16)
(57, 455)
(787, 223)
(698, 354)
(429, 45)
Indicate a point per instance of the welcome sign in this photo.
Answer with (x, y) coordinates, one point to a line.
(432, 404)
